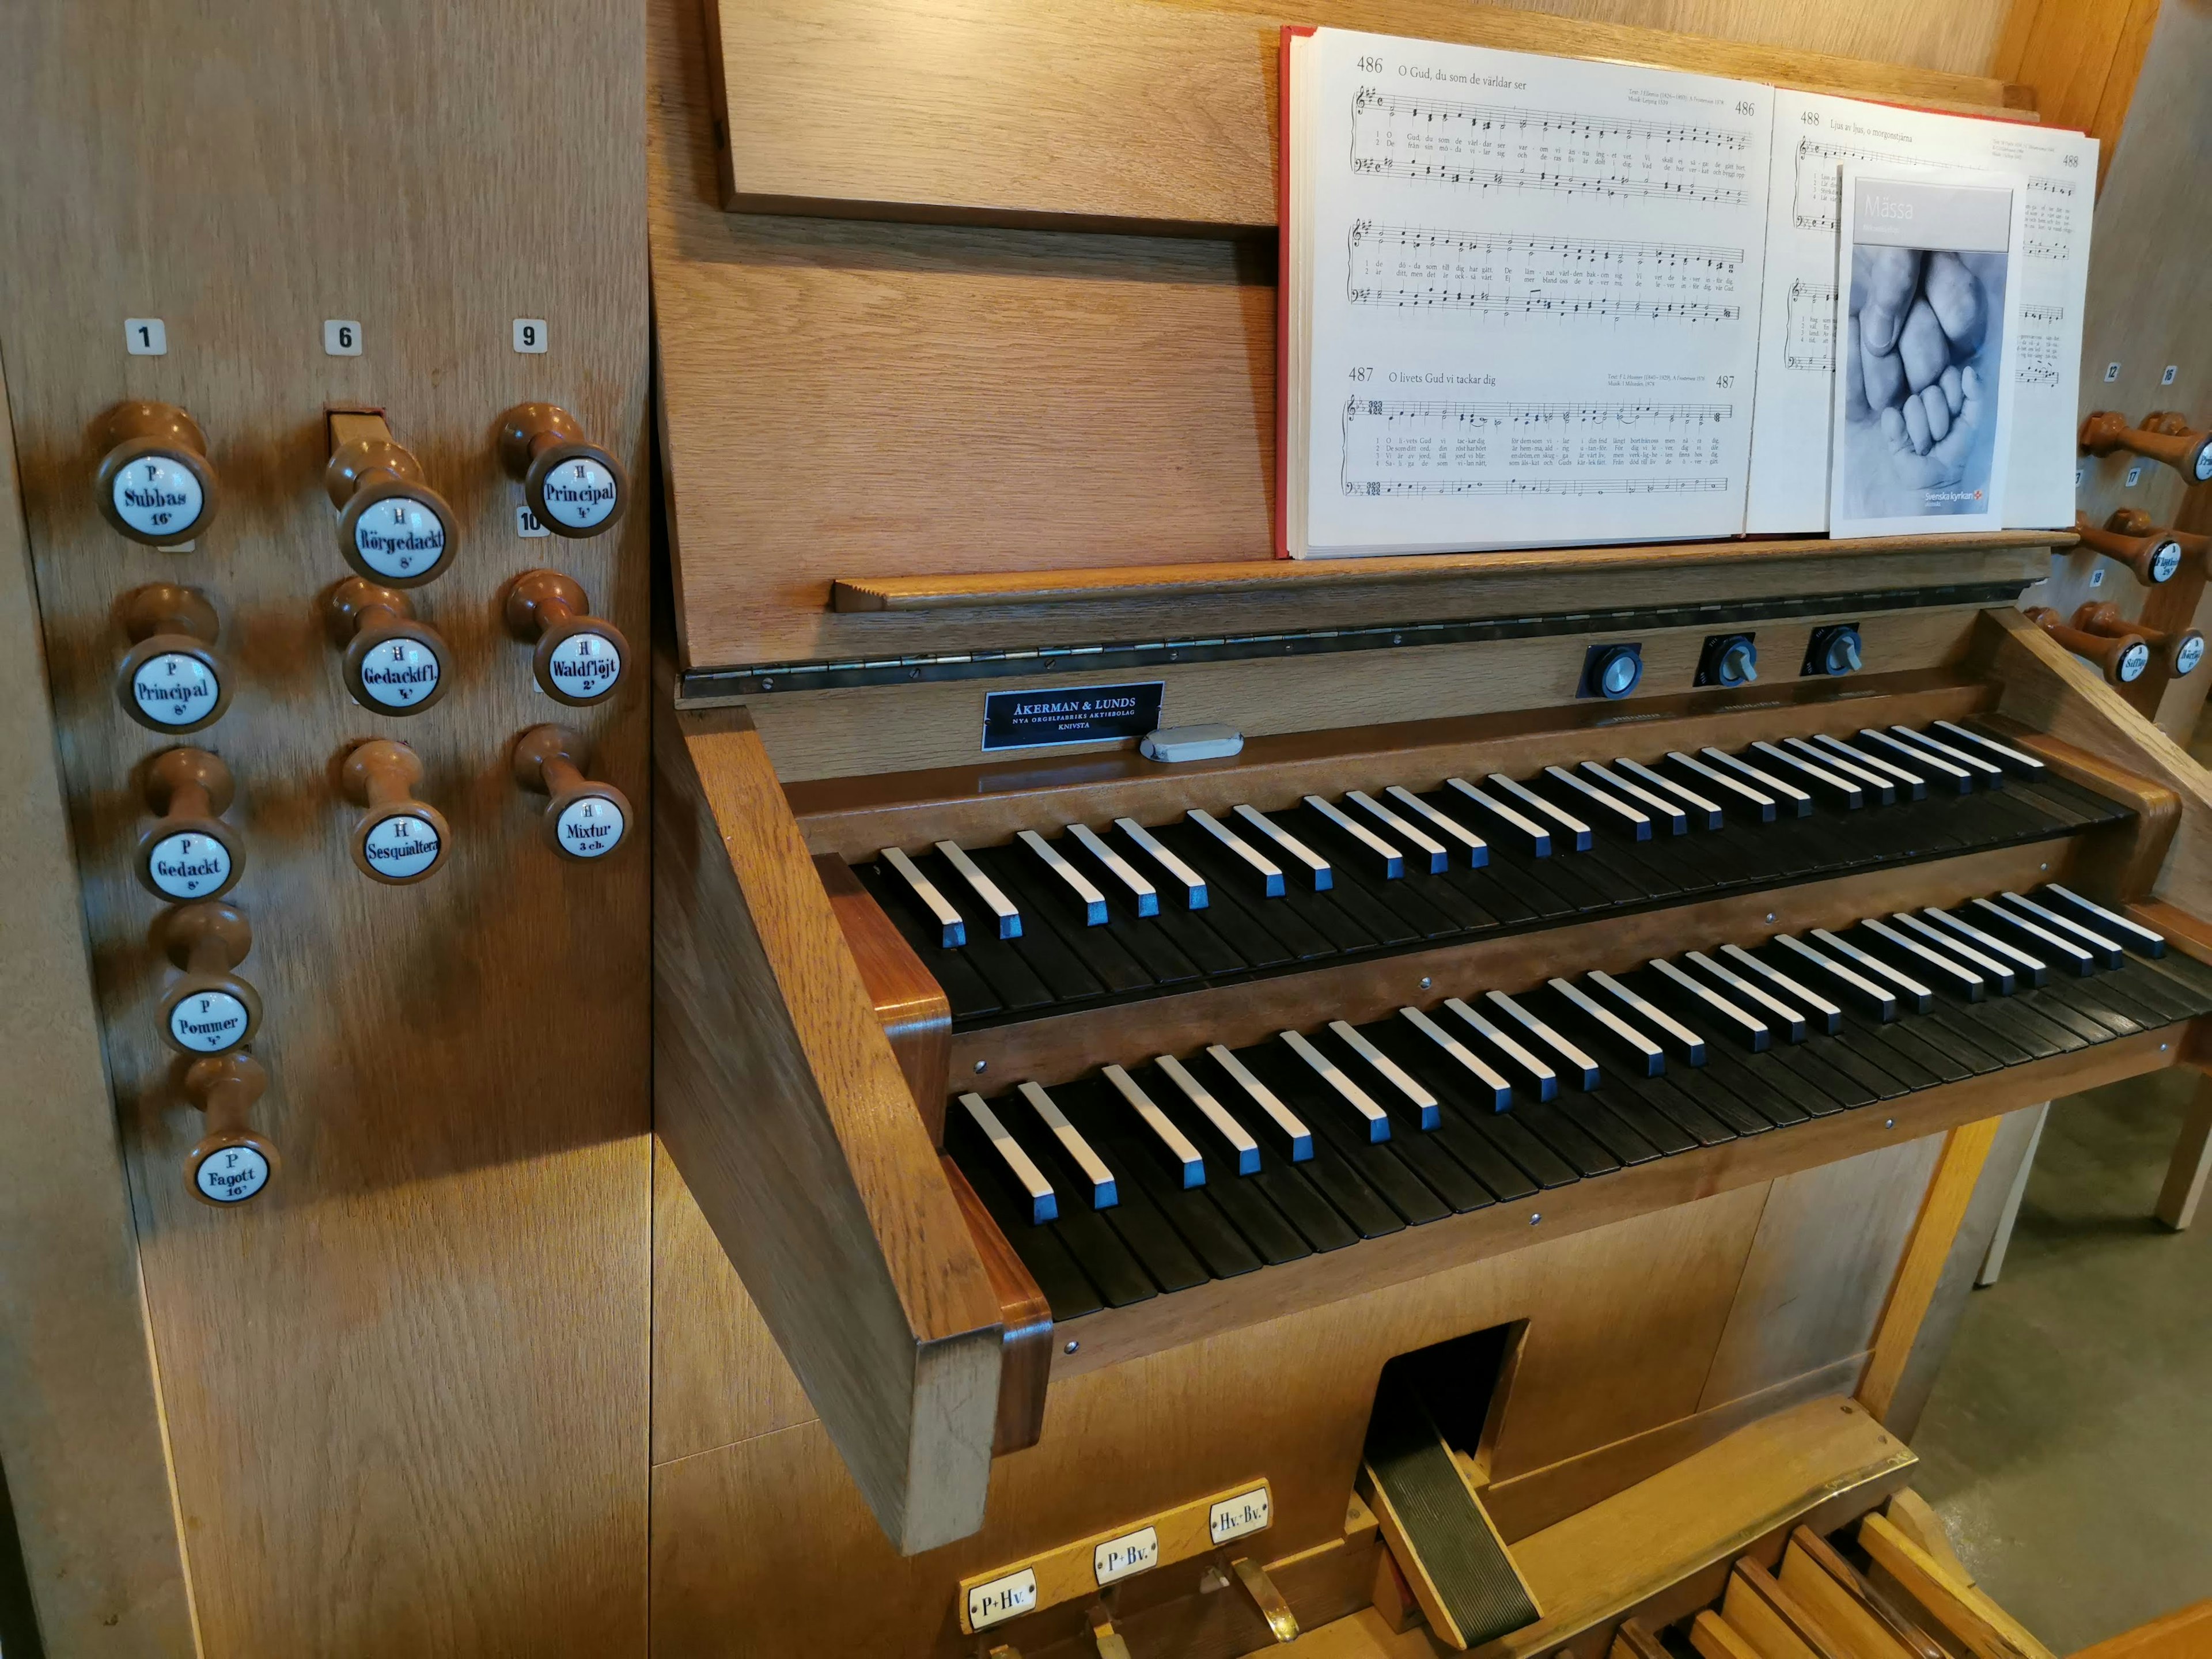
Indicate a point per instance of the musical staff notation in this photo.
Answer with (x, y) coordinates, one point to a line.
(1501, 274)
(2041, 186)
(1537, 486)
(1514, 412)
(1439, 297)
(2036, 360)
(1501, 118)
(2042, 316)
(1819, 190)
(1808, 341)
(1562, 250)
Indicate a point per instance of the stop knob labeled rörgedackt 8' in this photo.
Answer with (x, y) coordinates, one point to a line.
(574, 486)
(393, 527)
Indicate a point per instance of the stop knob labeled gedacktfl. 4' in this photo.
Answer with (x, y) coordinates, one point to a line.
(210, 1010)
(580, 658)
(584, 820)
(170, 680)
(393, 664)
(155, 484)
(190, 853)
(393, 527)
(574, 486)
(233, 1162)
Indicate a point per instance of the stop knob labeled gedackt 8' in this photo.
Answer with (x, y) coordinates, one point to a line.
(190, 853)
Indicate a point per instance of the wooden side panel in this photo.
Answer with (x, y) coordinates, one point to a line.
(405, 1390)
(1949, 1192)
(86, 1473)
(2082, 58)
(779, 1097)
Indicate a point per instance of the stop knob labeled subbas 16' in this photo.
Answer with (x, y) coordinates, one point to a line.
(393, 664)
(170, 680)
(190, 853)
(233, 1162)
(584, 820)
(155, 484)
(580, 658)
(2125, 658)
(210, 1010)
(393, 527)
(401, 840)
(2163, 437)
(574, 486)
(2154, 556)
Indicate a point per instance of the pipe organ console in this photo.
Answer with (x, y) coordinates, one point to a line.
(906, 1044)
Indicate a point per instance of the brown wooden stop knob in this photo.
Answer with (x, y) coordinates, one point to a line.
(584, 820)
(2161, 437)
(2154, 558)
(233, 1162)
(393, 527)
(574, 488)
(400, 840)
(190, 852)
(580, 658)
(394, 664)
(2123, 658)
(2182, 651)
(2134, 521)
(155, 484)
(170, 680)
(210, 1010)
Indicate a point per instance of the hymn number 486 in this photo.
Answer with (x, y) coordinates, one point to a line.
(1370, 66)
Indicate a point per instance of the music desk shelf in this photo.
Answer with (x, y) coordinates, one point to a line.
(1002, 589)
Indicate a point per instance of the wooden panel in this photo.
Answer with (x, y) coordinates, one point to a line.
(1949, 1191)
(908, 1005)
(1818, 1273)
(405, 1391)
(2082, 58)
(1170, 120)
(88, 1476)
(780, 1100)
(1957, 1608)
(2179, 1634)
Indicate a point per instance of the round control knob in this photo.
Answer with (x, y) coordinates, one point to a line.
(170, 680)
(155, 484)
(2182, 651)
(574, 486)
(580, 658)
(2134, 521)
(2161, 437)
(233, 1162)
(393, 664)
(210, 1010)
(584, 820)
(2123, 658)
(1837, 651)
(402, 840)
(191, 853)
(1737, 663)
(393, 527)
(2154, 558)
(1615, 670)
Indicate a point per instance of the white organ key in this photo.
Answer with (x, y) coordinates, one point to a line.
(1477, 850)
(1708, 812)
(1435, 857)
(1044, 1205)
(1579, 1064)
(1423, 1102)
(2066, 950)
(1652, 1057)
(1961, 978)
(1535, 838)
(1660, 807)
(1843, 789)
(1269, 872)
(1544, 811)
(1880, 972)
(1874, 765)
(1240, 1139)
(1194, 895)
(1179, 1153)
(1388, 858)
(1009, 919)
(1884, 999)
(952, 930)
(2005, 752)
(1883, 788)
(1293, 1127)
(1990, 773)
(2151, 944)
(1104, 1194)
(2108, 950)
(1788, 794)
(1545, 1079)
(1793, 1022)
(1317, 867)
(2038, 970)
(1146, 895)
(1377, 1119)
(1989, 968)
(1736, 789)
(1501, 1092)
(1686, 1043)
(1619, 813)
(1092, 900)
(1956, 778)
(1756, 1033)
(1801, 995)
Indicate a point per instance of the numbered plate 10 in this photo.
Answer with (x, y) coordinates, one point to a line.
(1087, 1565)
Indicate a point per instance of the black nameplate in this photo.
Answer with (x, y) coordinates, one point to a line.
(1080, 713)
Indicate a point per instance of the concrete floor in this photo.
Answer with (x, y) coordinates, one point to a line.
(2067, 1443)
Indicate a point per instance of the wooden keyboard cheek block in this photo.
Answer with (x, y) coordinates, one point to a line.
(779, 1097)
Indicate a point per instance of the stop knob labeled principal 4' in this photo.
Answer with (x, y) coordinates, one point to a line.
(401, 840)
(393, 527)
(233, 1162)
(393, 664)
(580, 658)
(155, 484)
(190, 852)
(583, 820)
(574, 486)
(210, 1010)
(170, 680)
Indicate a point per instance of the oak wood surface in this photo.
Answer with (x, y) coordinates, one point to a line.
(1962, 1611)
(86, 1473)
(915, 1017)
(1170, 121)
(2183, 1189)
(2176, 1636)
(1849, 1607)
(779, 1097)
(404, 1389)
(1024, 1321)
(1949, 1191)
(1770, 1617)
(2082, 58)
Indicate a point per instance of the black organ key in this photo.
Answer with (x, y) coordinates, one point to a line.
(1143, 895)
(952, 931)
(1066, 1289)
(1084, 896)
(1143, 1234)
(1071, 977)
(1508, 1159)
(1424, 1152)
(1187, 880)
(1006, 919)
(2132, 934)
(1328, 1102)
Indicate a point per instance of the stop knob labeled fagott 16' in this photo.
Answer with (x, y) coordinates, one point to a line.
(233, 1162)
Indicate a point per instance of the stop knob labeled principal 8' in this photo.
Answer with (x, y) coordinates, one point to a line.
(172, 679)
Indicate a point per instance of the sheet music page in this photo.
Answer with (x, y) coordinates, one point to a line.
(1814, 135)
(1533, 294)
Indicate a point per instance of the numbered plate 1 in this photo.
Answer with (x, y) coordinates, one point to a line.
(1087, 1565)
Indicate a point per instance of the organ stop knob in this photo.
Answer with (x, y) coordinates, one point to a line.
(155, 484)
(393, 664)
(170, 680)
(401, 840)
(2154, 556)
(190, 852)
(393, 527)
(210, 1010)
(580, 658)
(2125, 658)
(2182, 650)
(2134, 521)
(233, 1162)
(575, 487)
(583, 820)
(2161, 437)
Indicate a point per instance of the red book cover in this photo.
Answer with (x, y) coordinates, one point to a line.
(1283, 281)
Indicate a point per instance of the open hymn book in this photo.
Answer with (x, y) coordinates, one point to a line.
(1532, 300)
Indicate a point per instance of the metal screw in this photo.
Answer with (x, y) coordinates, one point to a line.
(1770, 915)
(2043, 866)
(2161, 1047)
(1889, 1123)
(1534, 1216)
(981, 1064)
(768, 685)
(1425, 981)
(1071, 1347)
